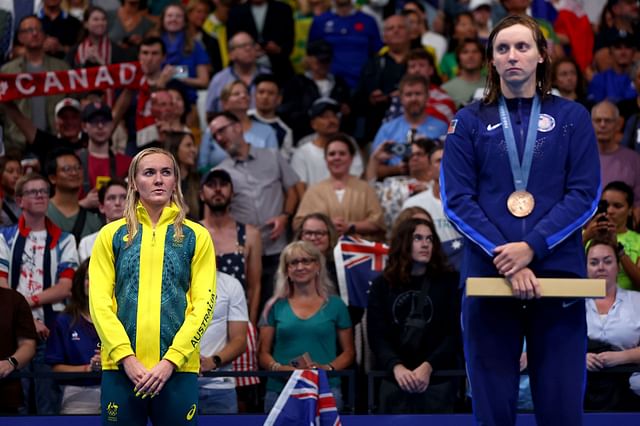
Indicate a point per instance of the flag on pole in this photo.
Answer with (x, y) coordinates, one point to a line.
(358, 263)
(305, 400)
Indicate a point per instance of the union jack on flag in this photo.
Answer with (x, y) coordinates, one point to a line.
(358, 263)
(305, 400)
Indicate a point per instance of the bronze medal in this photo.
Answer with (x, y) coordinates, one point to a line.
(520, 203)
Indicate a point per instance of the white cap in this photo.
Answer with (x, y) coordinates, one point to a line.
(474, 4)
(67, 103)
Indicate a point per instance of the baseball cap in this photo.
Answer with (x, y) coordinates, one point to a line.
(474, 4)
(96, 109)
(220, 174)
(67, 103)
(623, 38)
(323, 104)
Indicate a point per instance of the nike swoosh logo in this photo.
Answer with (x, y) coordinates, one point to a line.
(491, 127)
(567, 304)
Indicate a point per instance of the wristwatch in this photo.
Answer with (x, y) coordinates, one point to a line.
(351, 229)
(217, 361)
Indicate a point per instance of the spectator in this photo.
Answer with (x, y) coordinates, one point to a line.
(451, 240)
(393, 191)
(235, 98)
(73, 347)
(470, 59)
(481, 12)
(153, 261)
(413, 324)
(415, 122)
(38, 260)
(303, 322)
(183, 148)
(68, 125)
(303, 16)
(10, 172)
(128, 25)
(414, 212)
(95, 48)
(349, 201)
(238, 253)
(186, 55)
(382, 72)
(567, 78)
(630, 110)
(216, 27)
(111, 201)
(615, 224)
(463, 28)
(64, 171)
(353, 35)
(317, 82)
(223, 341)
(617, 162)
(614, 84)
(617, 16)
(270, 24)
(429, 38)
(308, 158)
(439, 105)
(197, 12)
(39, 110)
(268, 100)
(174, 115)
(613, 328)
(151, 56)
(76, 8)
(17, 347)
(62, 30)
(99, 163)
(265, 191)
(318, 229)
(243, 55)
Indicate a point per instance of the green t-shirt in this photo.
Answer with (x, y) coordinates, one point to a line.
(631, 242)
(317, 335)
(92, 223)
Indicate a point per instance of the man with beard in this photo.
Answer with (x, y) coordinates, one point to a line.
(238, 253)
(413, 123)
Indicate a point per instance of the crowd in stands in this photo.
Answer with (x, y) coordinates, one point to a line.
(293, 123)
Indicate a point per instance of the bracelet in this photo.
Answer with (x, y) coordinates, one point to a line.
(274, 366)
(35, 300)
(13, 362)
(331, 367)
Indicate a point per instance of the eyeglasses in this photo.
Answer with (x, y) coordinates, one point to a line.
(69, 169)
(304, 261)
(216, 133)
(44, 192)
(420, 238)
(314, 234)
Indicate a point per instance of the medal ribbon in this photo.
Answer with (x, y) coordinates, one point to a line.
(519, 171)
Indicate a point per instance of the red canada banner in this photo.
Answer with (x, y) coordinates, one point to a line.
(25, 85)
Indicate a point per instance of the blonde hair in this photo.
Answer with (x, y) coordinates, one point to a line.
(283, 287)
(133, 196)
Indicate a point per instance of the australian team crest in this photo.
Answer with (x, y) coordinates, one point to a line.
(546, 123)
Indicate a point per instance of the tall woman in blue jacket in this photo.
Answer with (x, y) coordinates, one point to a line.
(519, 178)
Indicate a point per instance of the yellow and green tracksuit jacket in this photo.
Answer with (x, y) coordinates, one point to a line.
(155, 297)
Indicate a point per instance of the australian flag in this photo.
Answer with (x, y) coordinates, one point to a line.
(305, 400)
(358, 263)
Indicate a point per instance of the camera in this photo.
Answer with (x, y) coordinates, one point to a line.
(402, 150)
(182, 71)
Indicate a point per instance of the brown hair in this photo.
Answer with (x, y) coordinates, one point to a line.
(398, 269)
(543, 73)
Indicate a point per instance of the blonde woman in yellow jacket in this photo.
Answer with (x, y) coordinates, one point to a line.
(151, 295)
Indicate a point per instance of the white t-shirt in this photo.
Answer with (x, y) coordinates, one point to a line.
(31, 279)
(231, 305)
(309, 163)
